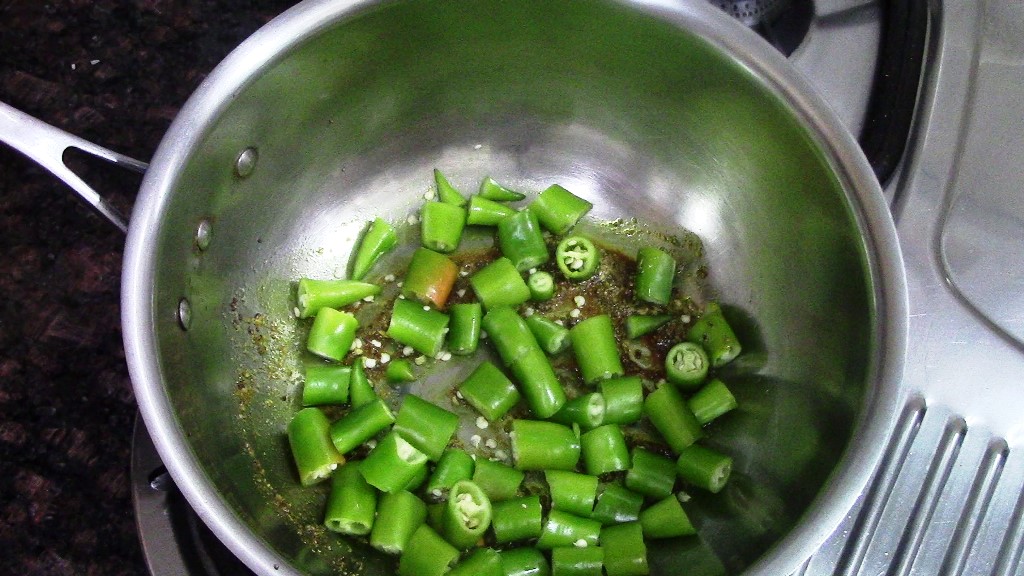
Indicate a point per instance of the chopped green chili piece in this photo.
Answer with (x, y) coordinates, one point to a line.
(429, 278)
(325, 384)
(637, 325)
(552, 337)
(704, 467)
(497, 480)
(623, 399)
(572, 492)
(360, 425)
(378, 240)
(655, 274)
(526, 561)
(625, 553)
(441, 226)
(464, 335)
(493, 191)
(604, 450)
(489, 391)
(499, 284)
(417, 480)
(309, 436)
(540, 445)
(517, 519)
(423, 329)
(399, 371)
(332, 334)
(467, 515)
(520, 351)
(392, 464)
(399, 515)
(670, 415)
(312, 295)
(351, 504)
(597, 353)
(711, 401)
(573, 561)
(427, 554)
(541, 285)
(616, 505)
(686, 365)
(565, 529)
(483, 562)
(651, 474)
(521, 240)
(558, 209)
(485, 212)
(427, 427)
(360, 389)
(446, 192)
(712, 331)
(453, 466)
(587, 411)
(577, 258)
(666, 519)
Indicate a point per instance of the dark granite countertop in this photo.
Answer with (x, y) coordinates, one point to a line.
(116, 73)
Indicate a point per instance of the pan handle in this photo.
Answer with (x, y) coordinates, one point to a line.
(46, 145)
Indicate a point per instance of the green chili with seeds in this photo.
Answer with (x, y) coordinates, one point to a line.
(577, 258)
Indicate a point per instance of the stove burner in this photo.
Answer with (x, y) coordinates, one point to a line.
(784, 23)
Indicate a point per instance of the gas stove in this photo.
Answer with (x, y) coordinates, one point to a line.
(934, 91)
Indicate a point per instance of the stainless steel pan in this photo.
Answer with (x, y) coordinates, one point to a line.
(667, 112)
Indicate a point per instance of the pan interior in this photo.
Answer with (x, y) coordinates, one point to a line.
(627, 110)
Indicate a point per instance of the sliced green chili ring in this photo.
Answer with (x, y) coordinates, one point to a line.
(577, 258)
(400, 371)
(666, 519)
(596, 350)
(552, 337)
(351, 504)
(517, 519)
(312, 295)
(499, 481)
(392, 464)
(489, 391)
(424, 330)
(453, 466)
(482, 562)
(565, 529)
(538, 445)
(399, 515)
(325, 384)
(616, 505)
(520, 351)
(524, 562)
(712, 331)
(541, 285)
(360, 425)
(491, 190)
(711, 401)
(485, 212)
(426, 426)
(427, 554)
(521, 240)
(686, 365)
(604, 450)
(623, 399)
(441, 226)
(655, 275)
(378, 240)
(360, 389)
(558, 209)
(625, 553)
(332, 334)
(587, 411)
(651, 474)
(572, 492)
(638, 325)
(499, 284)
(464, 333)
(573, 561)
(467, 515)
(704, 467)
(315, 456)
(446, 192)
(670, 415)
(429, 278)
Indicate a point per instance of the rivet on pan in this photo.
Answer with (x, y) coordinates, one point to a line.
(184, 313)
(246, 162)
(203, 235)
